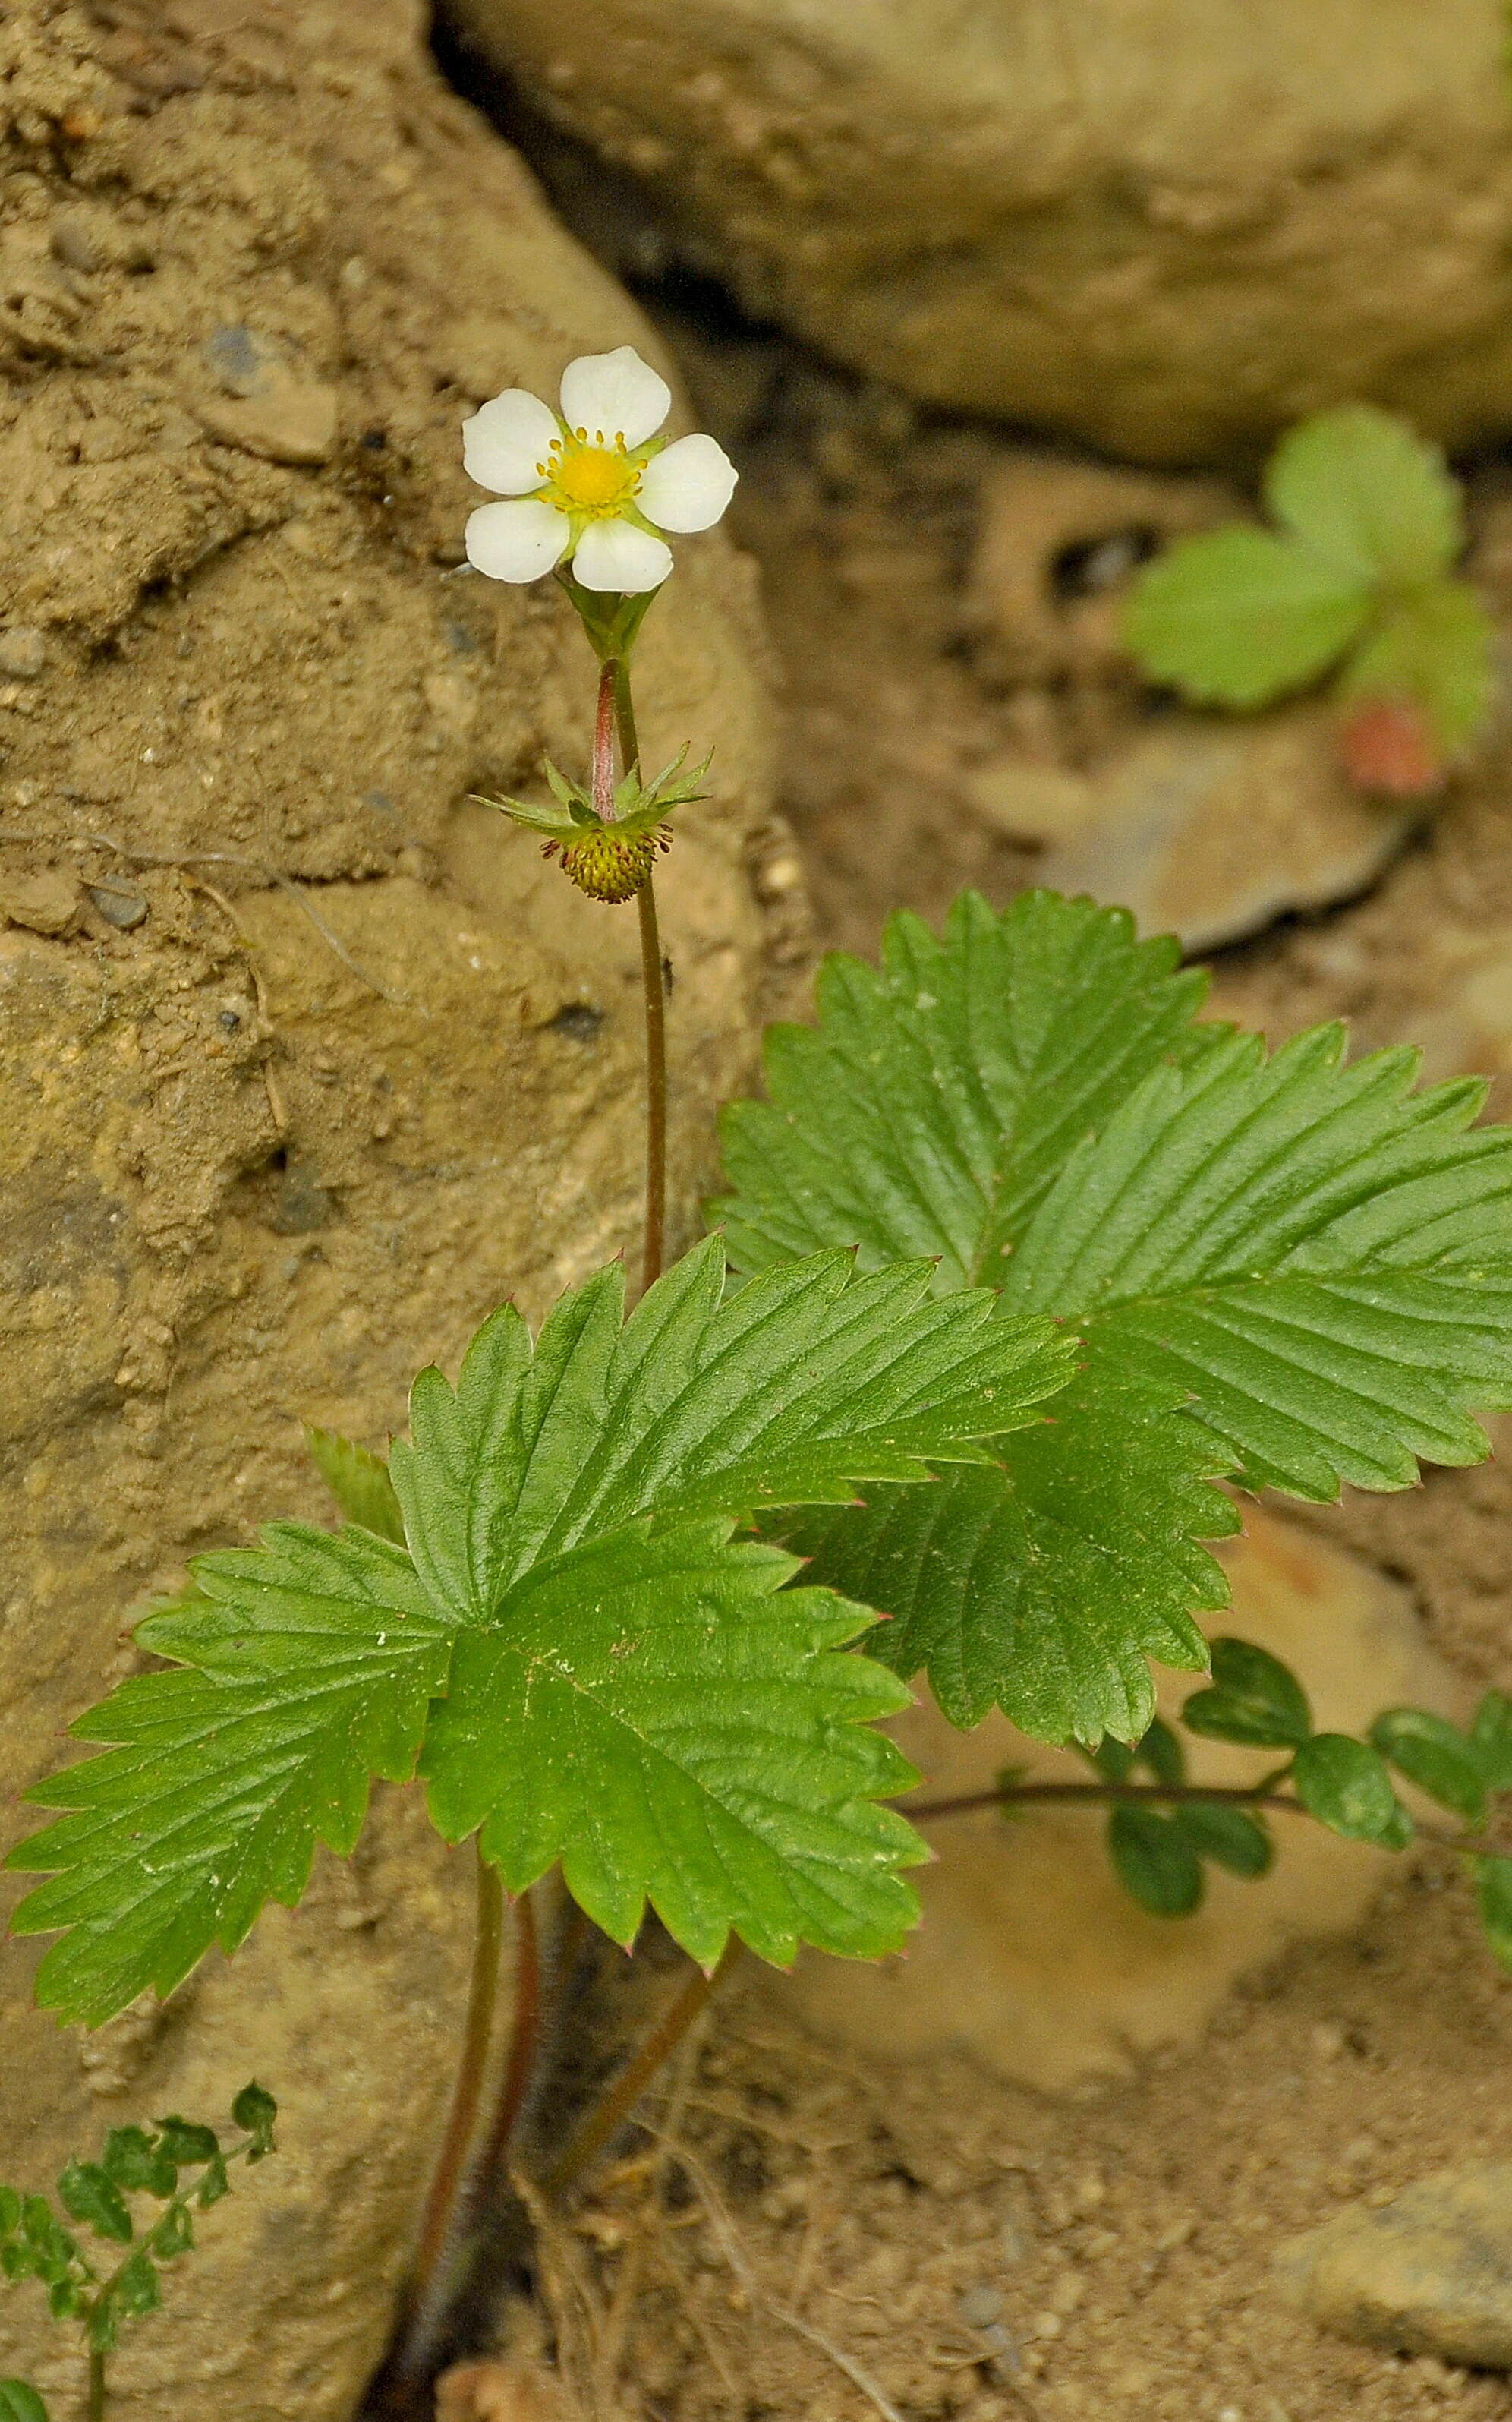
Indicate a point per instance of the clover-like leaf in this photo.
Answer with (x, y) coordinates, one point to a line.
(20, 2402)
(656, 1711)
(1255, 1700)
(256, 2111)
(358, 1480)
(1155, 1861)
(1435, 1755)
(1364, 492)
(1345, 1785)
(1239, 617)
(185, 2142)
(308, 1666)
(88, 2192)
(1231, 1837)
(139, 2162)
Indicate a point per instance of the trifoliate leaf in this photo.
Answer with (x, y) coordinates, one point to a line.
(1255, 1700)
(138, 2163)
(1045, 1585)
(87, 2193)
(1493, 1895)
(1363, 491)
(1321, 1256)
(1231, 1837)
(1345, 1785)
(936, 1097)
(656, 1711)
(1434, 651)
(790, 1391)
(49, 2247)
(309, 1664)
(215, 2182)
(1162, 1752)
(1239, 617)
(20, 2402)
(1155, 1862)
(256, 2111)
(359, 1482)
(1434, 1755)
(1492, 1738)
(174, 2233)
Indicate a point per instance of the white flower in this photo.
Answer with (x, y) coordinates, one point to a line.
(592, 482)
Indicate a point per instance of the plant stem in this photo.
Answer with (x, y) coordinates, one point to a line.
(1009, 1795)
(95, 2408)
(436, 2229)
(610, 2113)
(616, 679)
(524, 2037)
(603, 745)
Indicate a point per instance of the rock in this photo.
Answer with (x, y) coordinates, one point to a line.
(119, 906)
(1058, 541)
(1037, 214)
(271, 404)
(172, 1090)
(1212, 830)
(1466, 1029)
(1429, 2272)
(501, 2391)
(23, 652)
(1031, 1956)
(45, 904)
(1029, 803)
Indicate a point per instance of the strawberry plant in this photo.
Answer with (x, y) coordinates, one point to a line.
(1355, 579)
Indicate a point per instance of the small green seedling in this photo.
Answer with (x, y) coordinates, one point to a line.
(1357, 579)
(179, 2164)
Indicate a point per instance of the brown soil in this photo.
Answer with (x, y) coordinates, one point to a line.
(923, 2240)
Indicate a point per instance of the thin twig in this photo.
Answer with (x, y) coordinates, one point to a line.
(1223, 1794)
(271, 875)
(735, 2255)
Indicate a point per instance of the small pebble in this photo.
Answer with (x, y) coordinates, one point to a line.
(118, 907)
(23, 652)
(980, 2306)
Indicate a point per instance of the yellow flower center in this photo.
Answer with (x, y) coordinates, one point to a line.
(592, 479)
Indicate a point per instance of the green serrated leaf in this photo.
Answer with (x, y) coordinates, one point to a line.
(1363, 491)
(1155, 1862)
(1493, 1898)
(1255, 1699)
(184, 2141)
(1231, 1837)
(1435, 1756)
(1320, 1255)
(1345, 1785)
(174, 2233)
(656, 1711)
(256, 2111)
(87, 2193)
(1437, 650)
(936, 1097)
(214, 2183)
(1239, 617)
(1112, 1759)
(138, 2163)
(1492, 1738)
(805, 1382)
(65, 2300)
(51, 2248)
(20, 2402)
(1043, 1586)
(135, 2289)
(308, 1666)
(359, 1482)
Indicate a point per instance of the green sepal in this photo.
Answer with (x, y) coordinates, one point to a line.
(1434, 1755)
(89, 2193)
(610, 620)
(1155, 1862)
(1255, 1700)
(640, 807)
(1344, 1784)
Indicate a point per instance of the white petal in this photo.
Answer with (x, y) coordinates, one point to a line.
(616, 556)
(686, 487)
(617, 393)
(504, 443)
(517, 542)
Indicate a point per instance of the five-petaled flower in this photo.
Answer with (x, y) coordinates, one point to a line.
(592, 482)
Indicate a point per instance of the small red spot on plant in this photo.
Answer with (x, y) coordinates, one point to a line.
(1386, 746)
